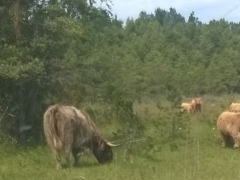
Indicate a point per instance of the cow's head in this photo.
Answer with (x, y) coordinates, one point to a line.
(198, 100)
(102, 150)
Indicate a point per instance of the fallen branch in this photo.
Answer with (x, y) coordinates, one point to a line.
(4, 113)
(129, 142)
(134, 140)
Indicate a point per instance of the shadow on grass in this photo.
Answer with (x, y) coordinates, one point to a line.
(84, 164)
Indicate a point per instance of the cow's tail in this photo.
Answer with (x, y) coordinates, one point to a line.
(51, 128)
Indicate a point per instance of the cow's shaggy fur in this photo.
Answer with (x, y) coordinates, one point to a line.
(228, 125)
(71, 130)
(186, 107)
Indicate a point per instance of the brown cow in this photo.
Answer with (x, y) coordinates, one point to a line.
(71, 130)
(234, 107)
(196, 104)
(228, 125)
(186, 107)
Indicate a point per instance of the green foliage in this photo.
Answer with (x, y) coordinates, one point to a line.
(131, 125)
(18, 63)
(172, 126)
(72, 52)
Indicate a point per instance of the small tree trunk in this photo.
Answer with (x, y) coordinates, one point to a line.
(16, 8)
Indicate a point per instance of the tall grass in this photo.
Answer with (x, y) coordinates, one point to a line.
(198, 155)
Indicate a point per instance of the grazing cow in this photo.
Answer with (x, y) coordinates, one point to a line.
(196, 104)
(186, 107)
(228, 125)
(71, 130)
(234, 107)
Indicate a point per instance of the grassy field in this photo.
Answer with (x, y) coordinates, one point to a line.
(198, 156)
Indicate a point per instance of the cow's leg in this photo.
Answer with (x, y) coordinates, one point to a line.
(68, 154)
(77, 152)
(236, 145)
(224, 138)
(69, 143)
(57, 156)
(197, 108)
(193, 109)
(236, 141)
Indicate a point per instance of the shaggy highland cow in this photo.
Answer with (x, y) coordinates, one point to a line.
(71, 130)
(228, 125)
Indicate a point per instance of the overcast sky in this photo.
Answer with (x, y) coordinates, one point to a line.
(204, 10)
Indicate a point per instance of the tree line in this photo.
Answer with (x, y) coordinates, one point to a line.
(71, 51)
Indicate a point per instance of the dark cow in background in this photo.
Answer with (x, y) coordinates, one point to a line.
(71, 130)
(196, 104)
(228, 125)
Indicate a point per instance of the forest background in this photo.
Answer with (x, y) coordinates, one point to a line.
(72, 52)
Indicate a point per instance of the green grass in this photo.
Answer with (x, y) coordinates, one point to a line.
(198, 161)
(199, 156)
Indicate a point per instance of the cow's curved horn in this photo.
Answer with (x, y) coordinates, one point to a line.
(112, 145)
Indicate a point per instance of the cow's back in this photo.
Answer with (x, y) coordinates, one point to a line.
(234, 107)
(228, 122)
(66, 126)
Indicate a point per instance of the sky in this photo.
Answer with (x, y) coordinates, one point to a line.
(204, 10)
